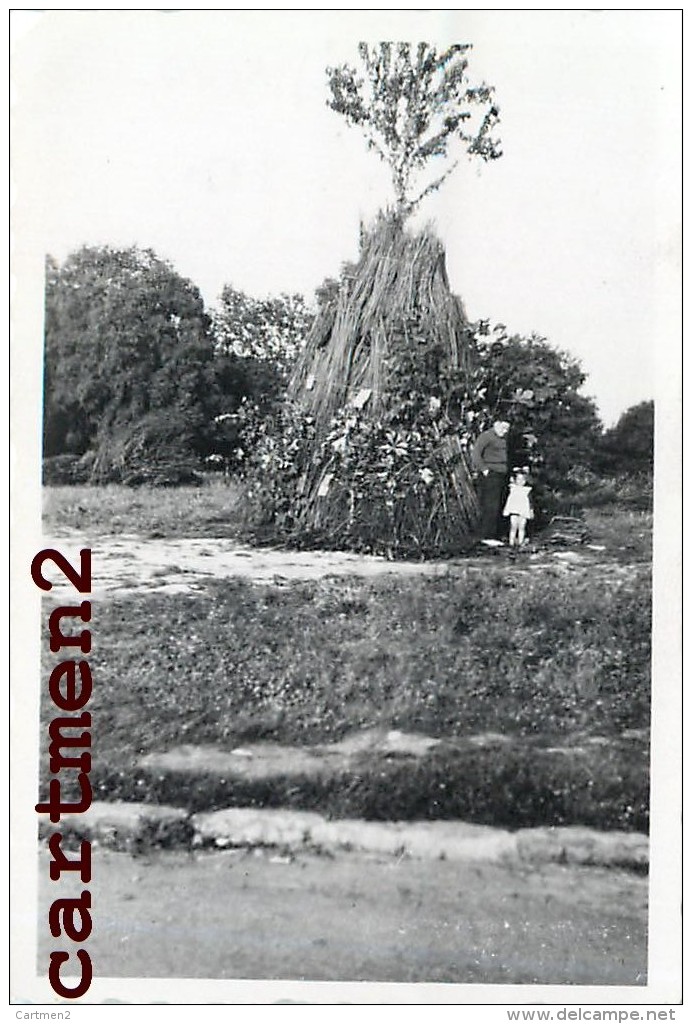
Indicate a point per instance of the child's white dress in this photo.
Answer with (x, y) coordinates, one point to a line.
(518, 502)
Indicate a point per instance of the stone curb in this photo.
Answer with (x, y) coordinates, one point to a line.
(136, 827)
(125, 826)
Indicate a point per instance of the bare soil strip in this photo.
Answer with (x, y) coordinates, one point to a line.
(130, 564)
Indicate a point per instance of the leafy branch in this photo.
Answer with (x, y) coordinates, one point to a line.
(411, 103)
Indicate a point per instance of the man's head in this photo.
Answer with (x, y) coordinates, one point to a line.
(501, 428)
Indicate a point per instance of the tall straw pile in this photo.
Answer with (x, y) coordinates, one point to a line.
(399, 277)
(385, 468)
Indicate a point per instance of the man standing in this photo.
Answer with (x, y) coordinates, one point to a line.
(489, 457)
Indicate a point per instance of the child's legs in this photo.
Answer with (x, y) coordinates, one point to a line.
(521, 529)
(513, 527)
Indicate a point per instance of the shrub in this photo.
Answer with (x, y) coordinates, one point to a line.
(388, 484)
(158, 450)
(124, 334)
(627, 492)
(66, 469)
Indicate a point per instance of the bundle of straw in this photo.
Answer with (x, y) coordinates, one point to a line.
(399, 276)
(350, 359)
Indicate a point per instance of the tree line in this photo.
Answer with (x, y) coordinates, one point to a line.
(140, 380)
(143, 384)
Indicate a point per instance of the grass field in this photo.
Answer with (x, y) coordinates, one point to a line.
(559, 664)
(208, 511)
(215, 510)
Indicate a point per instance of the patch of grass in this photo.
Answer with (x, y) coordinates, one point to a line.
(515, 786)
(525, 655)
(210, 510)
(216, 509)
(625, 533)
(634, 493)
(446, 656)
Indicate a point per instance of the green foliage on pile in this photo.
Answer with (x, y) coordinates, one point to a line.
(382, 483)
(399, 481)
(367, 452)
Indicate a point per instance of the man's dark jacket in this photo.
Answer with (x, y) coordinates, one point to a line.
(490, 452)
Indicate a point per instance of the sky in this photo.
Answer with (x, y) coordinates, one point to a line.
(205, 135)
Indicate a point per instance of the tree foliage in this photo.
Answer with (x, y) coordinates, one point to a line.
(265, 334)
(257, 342)
(554, 428)
(628, 447)
(127, 339)
(411, 103)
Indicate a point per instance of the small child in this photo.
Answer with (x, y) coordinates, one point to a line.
(518, 505)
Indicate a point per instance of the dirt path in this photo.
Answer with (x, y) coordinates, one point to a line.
(265, 915)
(129, 563)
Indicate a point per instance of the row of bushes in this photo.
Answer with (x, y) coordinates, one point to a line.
(159, 450)
(69, 470)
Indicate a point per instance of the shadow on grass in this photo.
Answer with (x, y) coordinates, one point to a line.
(518, 787)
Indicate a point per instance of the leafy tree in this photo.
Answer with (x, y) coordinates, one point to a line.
(126, 338)
(411, 103)
(257, 342)
(554, 427)
(628, 447)
(268, 332)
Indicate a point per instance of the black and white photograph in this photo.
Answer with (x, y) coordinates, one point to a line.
(346, 487)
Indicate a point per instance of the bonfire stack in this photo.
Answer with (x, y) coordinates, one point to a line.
(354, 351)
(399, 276)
